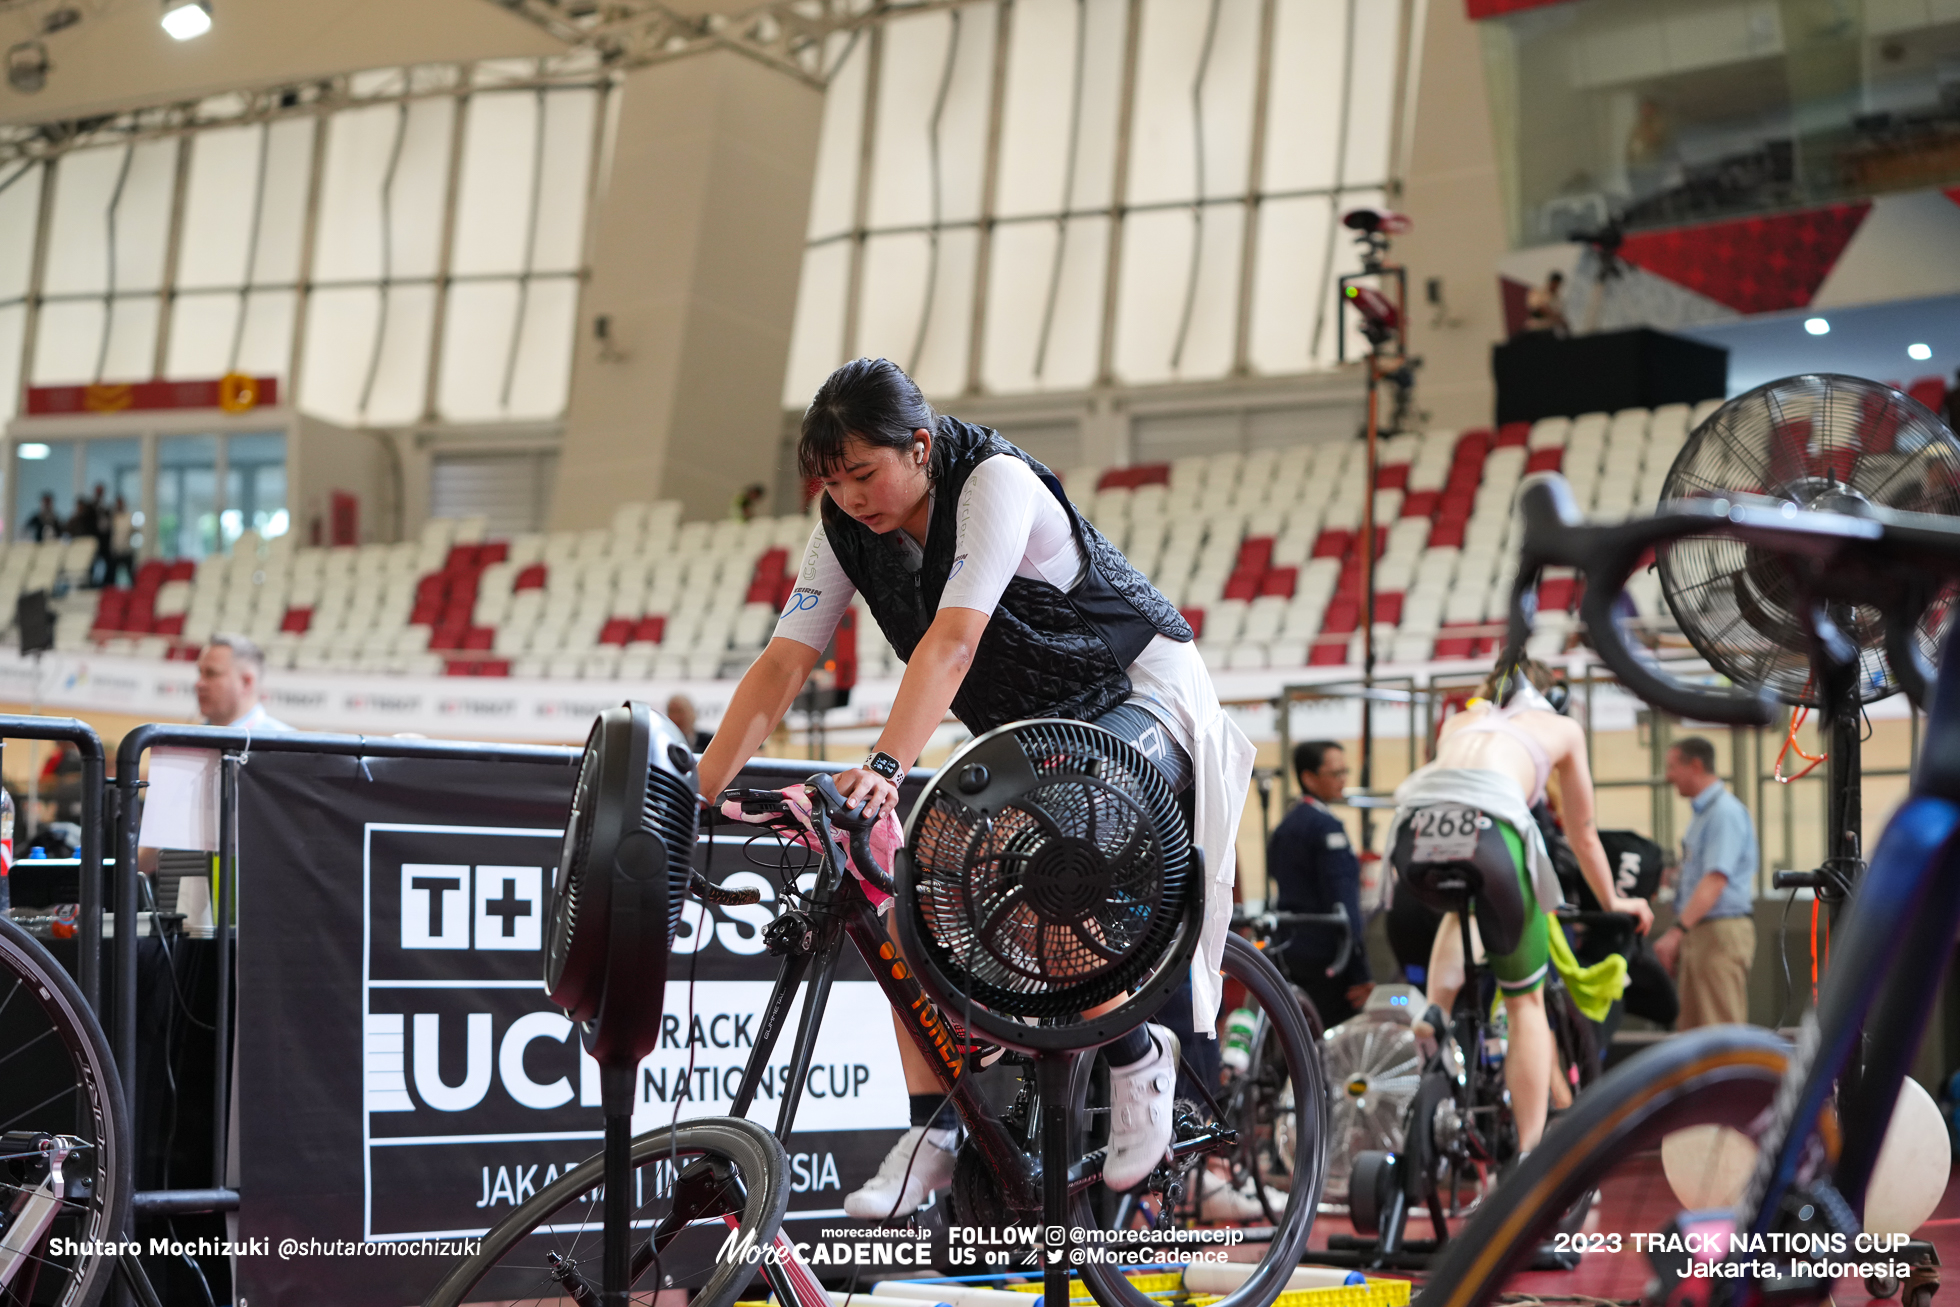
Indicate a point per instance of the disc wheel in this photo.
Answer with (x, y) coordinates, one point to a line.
(530, 1257)
(1609, 1141)
(58, 1081)
(1295, 1051)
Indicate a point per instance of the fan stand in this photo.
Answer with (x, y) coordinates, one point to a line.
(1843, 711)
(1051, 1077)
(616, 1099)
(1843, 707)
(1844, 859)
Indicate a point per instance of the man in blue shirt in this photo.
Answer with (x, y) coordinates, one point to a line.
(1312, 867)
(1712, 944)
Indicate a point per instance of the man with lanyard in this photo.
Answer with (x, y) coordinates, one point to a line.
(1312, 866)
(1711, 946)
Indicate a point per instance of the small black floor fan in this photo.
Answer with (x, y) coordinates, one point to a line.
(1832, 443)
(1047, 871)
(615, 904)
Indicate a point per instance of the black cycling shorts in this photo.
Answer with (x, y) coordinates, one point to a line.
(1140, 727)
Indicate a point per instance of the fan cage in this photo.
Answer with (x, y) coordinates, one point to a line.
(671, 812)
(1817, 441)
(1383, 1054)
(573, 858)
(1100, 818)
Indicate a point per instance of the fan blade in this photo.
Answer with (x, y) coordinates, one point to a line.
(1762, 619)
(1094, 945)
(1015, 897)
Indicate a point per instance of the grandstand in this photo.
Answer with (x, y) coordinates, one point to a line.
(1260, 550)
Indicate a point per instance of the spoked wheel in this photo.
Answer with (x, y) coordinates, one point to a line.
(1301, 1123)
(1614, 1141)
(62, 1119)
(1263, 1112)
(555, 1239)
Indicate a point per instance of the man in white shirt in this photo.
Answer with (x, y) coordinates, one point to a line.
(229, 673)
(180, 811)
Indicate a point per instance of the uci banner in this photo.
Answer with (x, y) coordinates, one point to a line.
(402, 1078)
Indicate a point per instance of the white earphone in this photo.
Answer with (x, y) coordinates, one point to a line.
(919, 452)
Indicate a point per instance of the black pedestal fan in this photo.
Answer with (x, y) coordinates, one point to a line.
(615, 904)
(1047, 871)
(1818, 441)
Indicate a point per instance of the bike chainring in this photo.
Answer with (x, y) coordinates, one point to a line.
(1188, 1119)
(978, 1198)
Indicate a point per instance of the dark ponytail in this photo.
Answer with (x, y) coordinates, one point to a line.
(870, 400)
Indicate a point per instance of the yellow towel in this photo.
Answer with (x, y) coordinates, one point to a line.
(1593, 988)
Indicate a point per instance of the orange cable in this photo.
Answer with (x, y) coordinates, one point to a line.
(1798, 716)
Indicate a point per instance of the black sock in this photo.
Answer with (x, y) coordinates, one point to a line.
(1129, 1050)
(934, 1111)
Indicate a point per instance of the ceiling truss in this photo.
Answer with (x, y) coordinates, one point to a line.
(787, 35)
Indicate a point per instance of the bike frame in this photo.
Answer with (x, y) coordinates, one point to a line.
(839, 912)
(842, 912)
(1858, 1043)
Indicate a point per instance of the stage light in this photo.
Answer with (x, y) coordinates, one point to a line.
(33, 452)
(185, 19)
(1919, 352)
(1386, 221)
(1817, 326)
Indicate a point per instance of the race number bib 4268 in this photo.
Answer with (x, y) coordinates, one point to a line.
(1446, 833)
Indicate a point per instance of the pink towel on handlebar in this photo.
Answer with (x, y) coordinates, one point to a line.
(886, 836)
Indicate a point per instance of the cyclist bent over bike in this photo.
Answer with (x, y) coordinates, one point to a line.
(1006, 604)
(1493, 760)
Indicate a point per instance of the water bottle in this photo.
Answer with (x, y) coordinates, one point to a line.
(1239, 1027)
(6, 849)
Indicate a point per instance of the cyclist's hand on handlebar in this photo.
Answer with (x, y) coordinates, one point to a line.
(1639, 910)
(861, 787)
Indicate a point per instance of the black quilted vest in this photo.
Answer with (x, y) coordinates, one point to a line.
(1046, 652)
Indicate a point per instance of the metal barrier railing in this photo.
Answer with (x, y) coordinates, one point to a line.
(1751, 750)
(67, 730)
(232, 746)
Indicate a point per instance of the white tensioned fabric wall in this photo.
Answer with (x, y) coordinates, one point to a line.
(404, 246)
(1057, 199)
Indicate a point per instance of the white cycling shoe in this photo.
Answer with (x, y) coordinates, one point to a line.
(920, 1162)
(1140, 1098)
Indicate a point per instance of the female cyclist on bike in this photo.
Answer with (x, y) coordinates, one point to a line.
(1493, 759)
(1005, 604)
